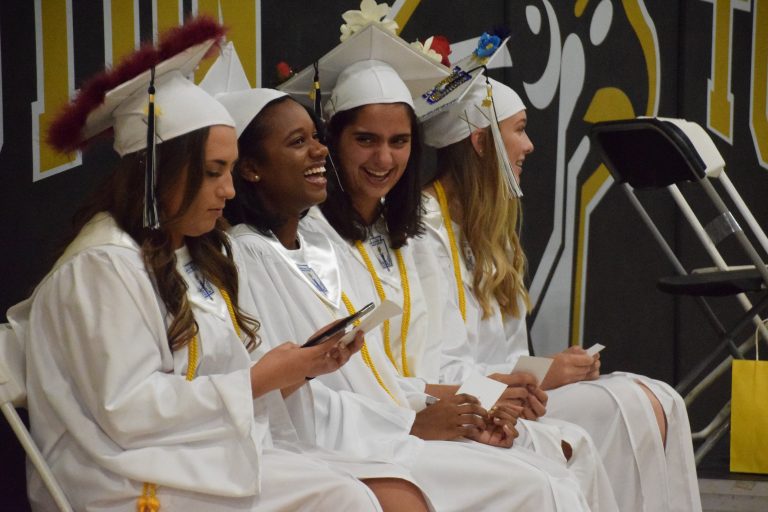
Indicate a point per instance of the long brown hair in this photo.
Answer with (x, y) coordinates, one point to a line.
(121, 196)
(490, 225)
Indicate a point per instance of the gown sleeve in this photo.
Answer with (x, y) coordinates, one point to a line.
(98, 334)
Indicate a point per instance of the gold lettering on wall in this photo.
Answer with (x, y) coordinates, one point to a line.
(758, 111)
(55, 77)
(169, 14)
(720, 97)
(243, 21)
(121, 29)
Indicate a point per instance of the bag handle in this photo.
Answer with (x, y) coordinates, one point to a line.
(757, 339)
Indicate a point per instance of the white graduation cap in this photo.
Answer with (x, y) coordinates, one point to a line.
(468, 100)
(146, 100)
(465, 74)
(226, 74)
(481, 105)
(180, 106)
(366, 83)
(245, 105)
(471, 112)
(227, 82)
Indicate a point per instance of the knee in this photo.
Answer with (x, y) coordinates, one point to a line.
(350, 494)
(658, 411)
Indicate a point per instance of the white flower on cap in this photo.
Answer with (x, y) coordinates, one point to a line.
(426, 49)
(370, 13)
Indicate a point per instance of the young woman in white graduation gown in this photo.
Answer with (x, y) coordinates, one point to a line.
(363, 410)
(639, 424)
(372, 214)
(141, 391)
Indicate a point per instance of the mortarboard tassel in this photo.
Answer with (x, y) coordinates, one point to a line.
(505, 167)
(315, 94)
(151, 219)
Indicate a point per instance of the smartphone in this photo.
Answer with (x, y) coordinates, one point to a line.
(338, 327)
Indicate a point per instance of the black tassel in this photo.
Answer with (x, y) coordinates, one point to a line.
(316, 91)
(151, 219)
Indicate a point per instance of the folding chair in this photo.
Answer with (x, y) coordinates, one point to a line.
(13, 394)
(660, 153)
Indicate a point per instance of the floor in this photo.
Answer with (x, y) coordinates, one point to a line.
(723, 491)
(721, 495)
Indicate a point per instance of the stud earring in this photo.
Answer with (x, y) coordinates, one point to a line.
(255, 178)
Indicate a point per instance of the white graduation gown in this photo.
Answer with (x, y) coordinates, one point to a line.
(427, 324)
(613, 409)
(353, 411)
(110, 407)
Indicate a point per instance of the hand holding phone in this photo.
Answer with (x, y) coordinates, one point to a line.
(337, 327)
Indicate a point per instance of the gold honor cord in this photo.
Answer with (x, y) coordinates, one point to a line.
(148, 501)
(445, 212)
(406, 317)
(365, 353)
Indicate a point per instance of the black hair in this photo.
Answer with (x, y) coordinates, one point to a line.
(402, 210)
(248, 207)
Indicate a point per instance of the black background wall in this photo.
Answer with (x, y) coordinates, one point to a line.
(613, 300)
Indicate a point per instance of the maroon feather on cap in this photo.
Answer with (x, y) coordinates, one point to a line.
(64, 133)
(194, 31)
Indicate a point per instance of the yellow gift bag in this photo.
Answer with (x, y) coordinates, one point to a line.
(749, 415)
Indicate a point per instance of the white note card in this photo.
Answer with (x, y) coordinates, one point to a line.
(594, 349)
(488, 391)
(536, 366)
(383, 311)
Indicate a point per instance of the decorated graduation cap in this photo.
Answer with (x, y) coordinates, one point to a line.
(227, 83)
(372, 65)
(472, 112)
(485, 104)
(146, 100)
(469, 100)
(464, 75)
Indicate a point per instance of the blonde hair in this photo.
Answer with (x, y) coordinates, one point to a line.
(490, 225)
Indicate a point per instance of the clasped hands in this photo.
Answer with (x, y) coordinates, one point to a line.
(462, 415)
(523, 391)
